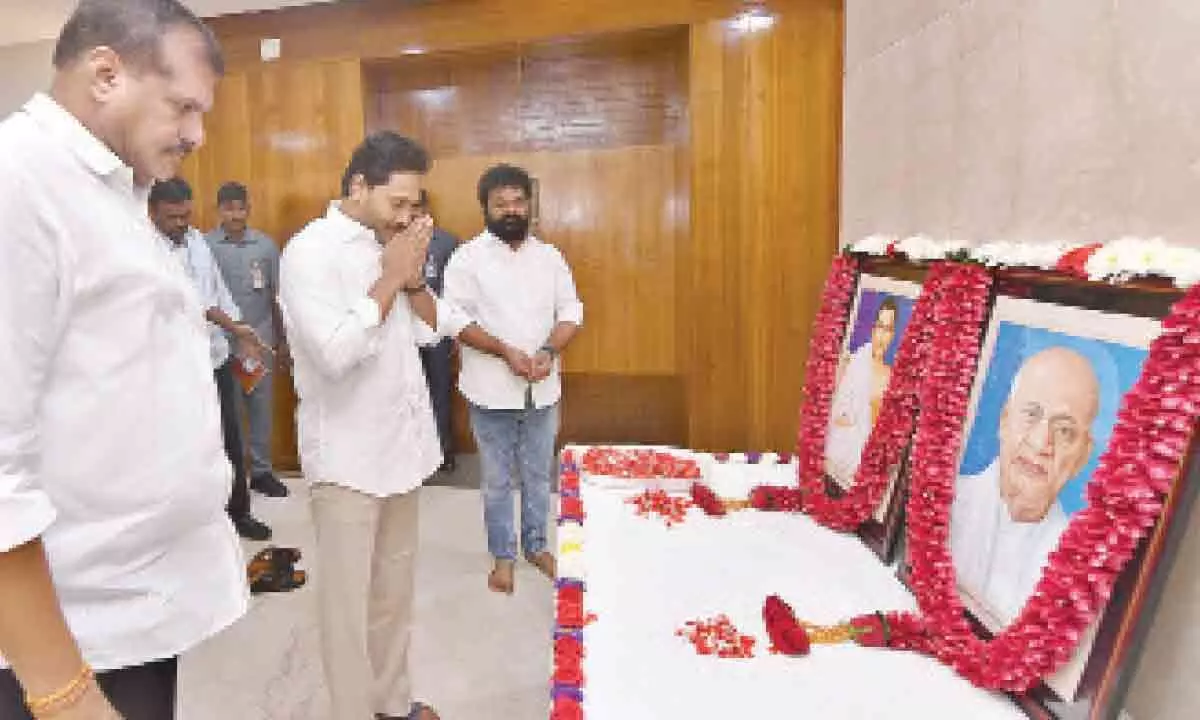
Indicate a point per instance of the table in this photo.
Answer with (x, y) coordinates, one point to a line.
(645, 580)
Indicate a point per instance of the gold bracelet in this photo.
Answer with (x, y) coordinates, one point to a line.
(72, 693)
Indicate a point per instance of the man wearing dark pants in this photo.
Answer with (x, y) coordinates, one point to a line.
(249, 262)
(521, 311)
(171, 212)
(116, 555)
(438, 359)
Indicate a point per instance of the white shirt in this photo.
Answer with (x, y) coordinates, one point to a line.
(517, 296)
(201, 267)
(998, 561)
(110, 440)
(364, 418)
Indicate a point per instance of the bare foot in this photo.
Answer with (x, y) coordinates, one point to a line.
(544, 561)
(500, 579)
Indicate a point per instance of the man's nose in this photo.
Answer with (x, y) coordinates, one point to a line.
(191, 134)
(1039, 437)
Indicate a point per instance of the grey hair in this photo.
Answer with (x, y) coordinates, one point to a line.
(133, 29)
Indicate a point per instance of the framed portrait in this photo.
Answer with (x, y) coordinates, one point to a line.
(879, 316)
(1043, 407)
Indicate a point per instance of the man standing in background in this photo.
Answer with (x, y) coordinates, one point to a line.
(249, 260)
(437, 359)
(522, 310)
(171, 212)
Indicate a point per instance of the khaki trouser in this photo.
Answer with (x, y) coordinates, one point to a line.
(366, 555)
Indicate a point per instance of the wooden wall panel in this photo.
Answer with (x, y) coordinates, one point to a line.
(582, 94)
(765, 114)
(752, 216)
(286, 131)
(370, 29)
(610, 213)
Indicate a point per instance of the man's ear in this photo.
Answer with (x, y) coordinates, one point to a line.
(104, 68)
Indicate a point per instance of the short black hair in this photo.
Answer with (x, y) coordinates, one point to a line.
(381, 155)
(503, 175)
(233, 192)
(132, 28)
(175, 190)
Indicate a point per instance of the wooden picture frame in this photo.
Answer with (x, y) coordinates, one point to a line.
(1109, 652)
(881, 284)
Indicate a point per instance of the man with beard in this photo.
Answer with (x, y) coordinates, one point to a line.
(356, 306)
(521, 311)
(171, 213)
(116, 554)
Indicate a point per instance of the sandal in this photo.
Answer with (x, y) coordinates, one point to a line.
(274, 570)
(272, 556)
(275, 581)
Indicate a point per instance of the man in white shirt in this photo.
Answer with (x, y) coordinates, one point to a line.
(355, 306)
(521, 311)
(171, 212)
(116, 554)
(1007, 520)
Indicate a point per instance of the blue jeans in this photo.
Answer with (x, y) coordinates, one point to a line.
(516, 449)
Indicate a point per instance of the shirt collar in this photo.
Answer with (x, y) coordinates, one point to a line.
(347, 227)
(248, 238)
(490, 237)
(64, 126)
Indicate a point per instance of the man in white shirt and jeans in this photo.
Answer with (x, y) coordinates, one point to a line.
(521, 311)
(171, 213)
(116, 554)
(355, 304)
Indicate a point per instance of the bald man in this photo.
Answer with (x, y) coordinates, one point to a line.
(1006, 521)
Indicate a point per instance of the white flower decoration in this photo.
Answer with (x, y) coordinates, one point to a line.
(873, 245)
(921, 247)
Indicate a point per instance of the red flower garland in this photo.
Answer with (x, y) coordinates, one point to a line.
(1147, 448)
(895, 424)
(568, 661)
(1125, 498)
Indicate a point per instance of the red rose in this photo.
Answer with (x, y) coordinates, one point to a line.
(566, 708)
(571, 508)
(707, 500)
(568, 671)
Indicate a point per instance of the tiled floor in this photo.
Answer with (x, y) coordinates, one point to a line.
(476, 655)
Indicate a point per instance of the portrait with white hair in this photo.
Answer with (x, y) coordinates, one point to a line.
(1045, 401)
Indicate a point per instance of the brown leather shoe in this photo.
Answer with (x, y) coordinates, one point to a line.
(500, 579)
(545, 562)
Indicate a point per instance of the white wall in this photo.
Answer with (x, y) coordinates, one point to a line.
(1035, 120)
(24, 69)
(1023, 119)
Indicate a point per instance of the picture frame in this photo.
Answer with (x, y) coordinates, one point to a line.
(885, 291)
(1045, 308)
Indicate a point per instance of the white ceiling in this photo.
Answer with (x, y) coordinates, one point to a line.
(24, 21)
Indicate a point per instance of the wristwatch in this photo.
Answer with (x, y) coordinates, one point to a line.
(549, 349)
